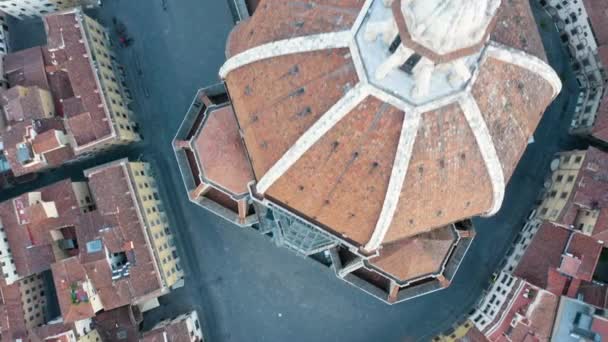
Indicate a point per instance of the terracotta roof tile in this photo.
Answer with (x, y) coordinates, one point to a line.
(118, 325)
(30, 243)
(22, 103)
(64, 37)
(12, 316)
(518, 13)
(26, 68)
(325, 184)
(597, 11)
(434, 172)
(45, 141)
(221, 152)
(277, 19)
(600, 126)
(587, 251)
(110, 187)
(69, 276)
(543, 254)
(418, 256)
(177, 331)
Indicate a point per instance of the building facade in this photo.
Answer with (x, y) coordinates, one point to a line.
(574, 197)
(183, 328)
(22, 9)
(582, 25)
(346, 125)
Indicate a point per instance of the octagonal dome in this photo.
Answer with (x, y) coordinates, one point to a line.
(335, 145)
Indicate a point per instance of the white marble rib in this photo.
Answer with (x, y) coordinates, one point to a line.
(409, 131)
(323, 41)
(338, 111)
(488, 150)
(526, 61)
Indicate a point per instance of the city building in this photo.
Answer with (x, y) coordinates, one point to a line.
(66, 100)
(575, 197)
(106, 241)
(22, 9)
(57, 330)
(22, 307)
(120, 324)
(4, 48)
(372, 141)
(583, 25)
(528, 314)
(559, 260)
(577, 321)
(183, 328)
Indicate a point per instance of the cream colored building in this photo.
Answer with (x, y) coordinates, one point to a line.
(572, 21)
(111, 81)
(34, 8)
(157, 224)
(6, 259)
(456, 334)
(180, 328)
(33, 300)
(565, 169)
(4, 46)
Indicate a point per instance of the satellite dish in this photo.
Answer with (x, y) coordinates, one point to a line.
(554, 164)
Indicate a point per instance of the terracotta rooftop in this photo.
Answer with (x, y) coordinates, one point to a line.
(56, 332)
(543, 254)
(598, 15)
(590, 188)
(30, 240)
(538, 322)
(323, 146)
(69, 56)
(176, 332)
(587, 251)
(22, 103)
(600, 327)
(600, 126)
(12, 316)
(69, 276)
(121, 324)
(26, 68)
(220, 151)
(594, 294)
(115, 203)
(415, 257)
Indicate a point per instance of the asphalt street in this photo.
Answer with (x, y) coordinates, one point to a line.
(244, 287)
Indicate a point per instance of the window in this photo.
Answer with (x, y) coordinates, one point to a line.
(563, 195)
(570, 179)
(578, 159)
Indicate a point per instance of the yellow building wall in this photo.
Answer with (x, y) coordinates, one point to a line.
(92, 336)
(33, 300)
(156, 222)
(122, 116)
(48, 106)
(563, 181)
(458, 333)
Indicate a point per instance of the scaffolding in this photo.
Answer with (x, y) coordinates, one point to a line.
(291, 232)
